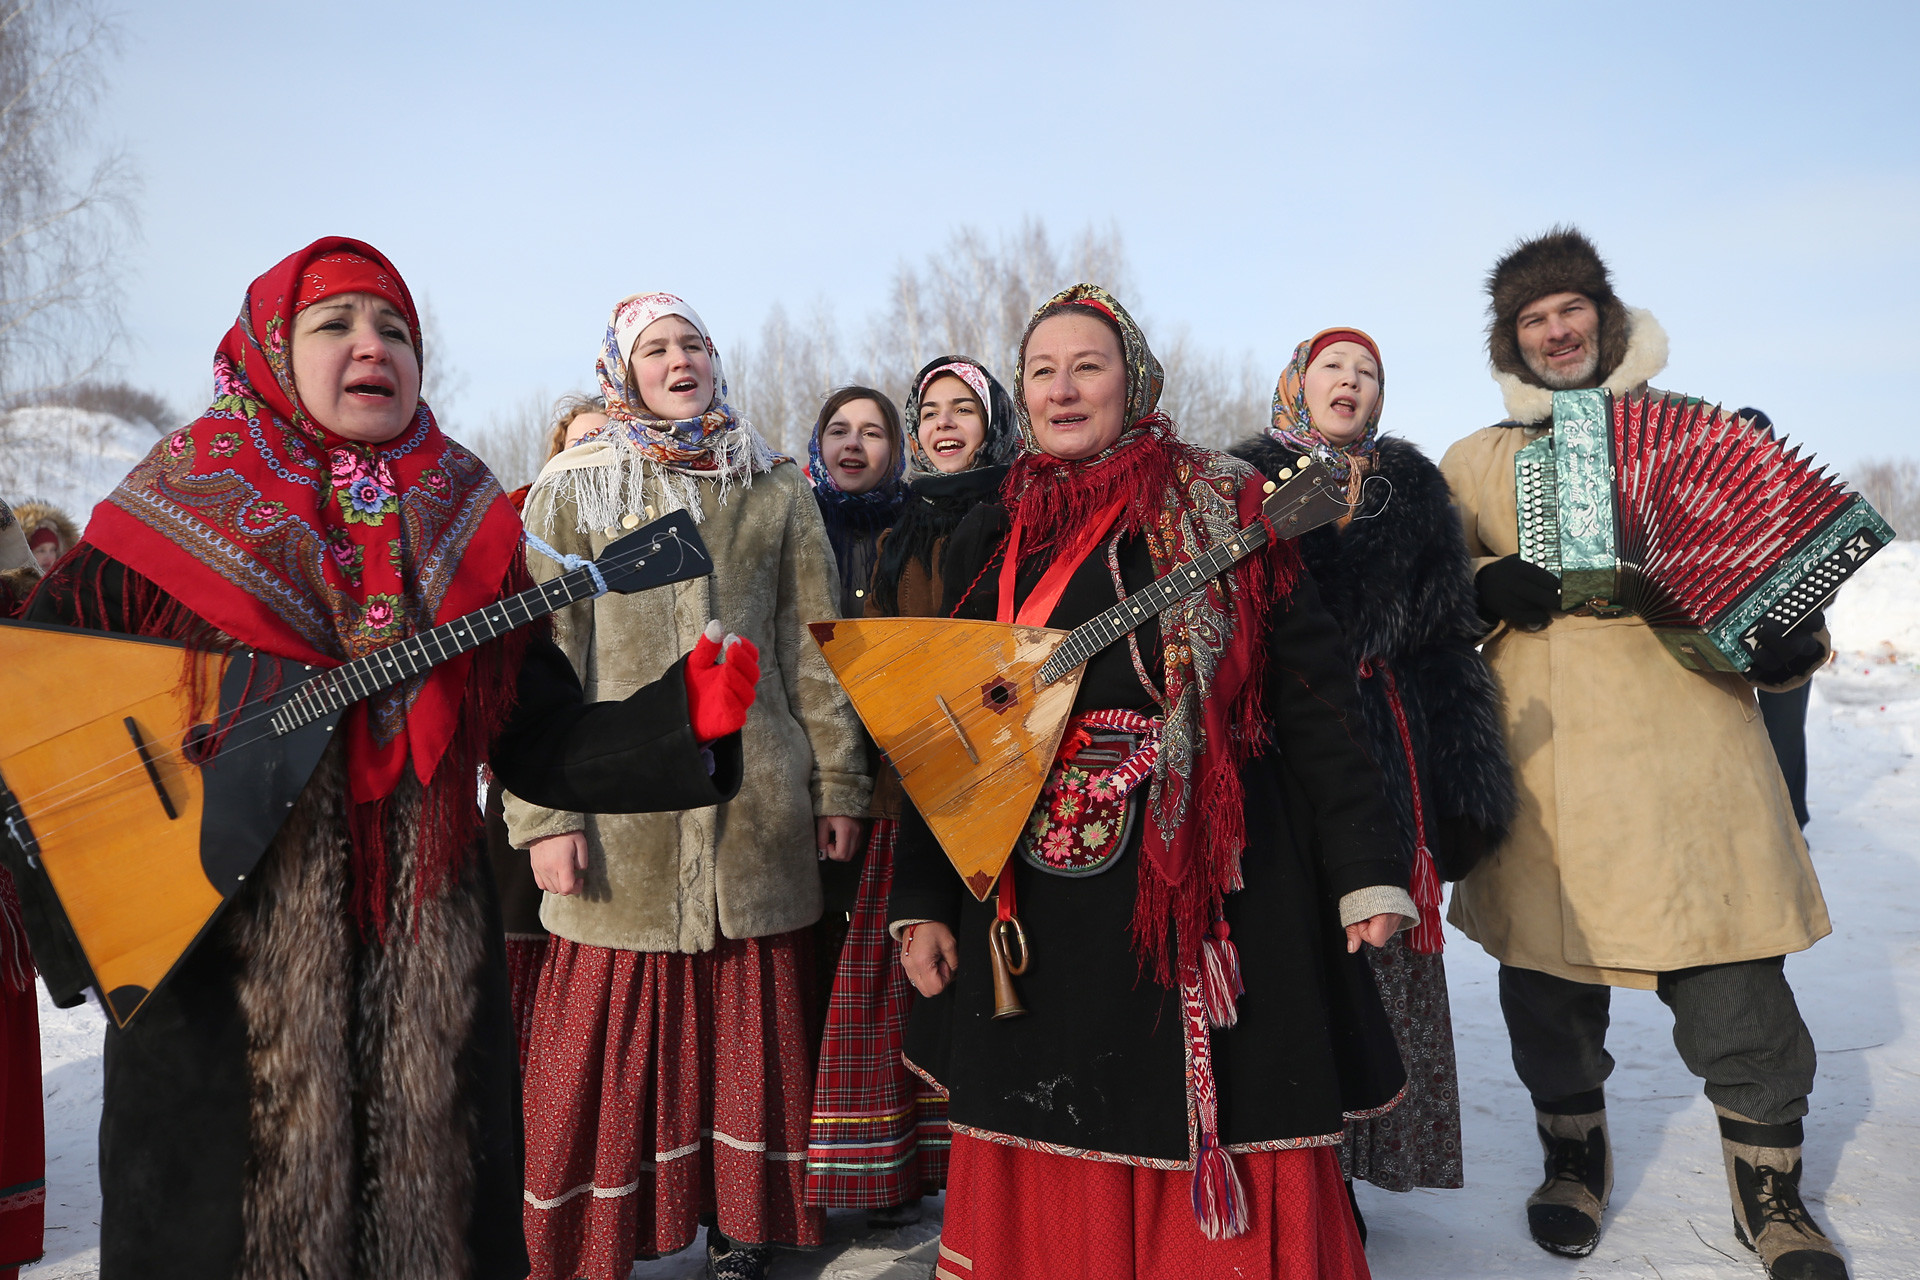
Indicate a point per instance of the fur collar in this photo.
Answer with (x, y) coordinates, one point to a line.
(1646, 356)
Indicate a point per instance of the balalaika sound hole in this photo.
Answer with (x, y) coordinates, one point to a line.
(998, 695)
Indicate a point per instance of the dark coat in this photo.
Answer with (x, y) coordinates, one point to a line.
(1098, 1064)
(1398, 581)
(199, 1127)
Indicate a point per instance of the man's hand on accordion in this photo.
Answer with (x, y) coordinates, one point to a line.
(1781, 656)
(1513, 591)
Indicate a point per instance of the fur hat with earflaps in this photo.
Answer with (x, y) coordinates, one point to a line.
(1561, 261)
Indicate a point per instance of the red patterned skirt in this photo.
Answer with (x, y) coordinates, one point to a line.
(661, 1086)
(1016, 1214)
(526, 956)
(879, 1134)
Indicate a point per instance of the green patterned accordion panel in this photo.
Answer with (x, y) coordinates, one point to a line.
(1690, 518)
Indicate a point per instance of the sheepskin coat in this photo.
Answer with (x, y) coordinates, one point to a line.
(750, 868)
(1398, 582)
(1654, 831)
(298, 1099)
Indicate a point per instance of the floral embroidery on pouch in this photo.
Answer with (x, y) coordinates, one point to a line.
(1086, 809)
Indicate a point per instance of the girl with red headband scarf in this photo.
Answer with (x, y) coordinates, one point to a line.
(326, 1085)
(1198, 1025)
(1395, 576)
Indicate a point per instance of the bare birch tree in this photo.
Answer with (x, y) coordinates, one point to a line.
(971, 297)
(1893, 487)
(61, 219)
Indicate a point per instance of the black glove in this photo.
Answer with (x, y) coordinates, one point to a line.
(1514, 591)
(1780, 655)
(1459, 845)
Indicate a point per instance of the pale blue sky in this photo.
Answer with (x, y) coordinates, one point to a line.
(1751, 171)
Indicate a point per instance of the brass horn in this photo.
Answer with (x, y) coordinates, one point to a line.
(1006, 1001)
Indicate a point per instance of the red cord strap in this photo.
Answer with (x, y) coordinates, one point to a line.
(1426, 937)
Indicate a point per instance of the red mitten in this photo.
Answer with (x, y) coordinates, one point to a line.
(720, 684)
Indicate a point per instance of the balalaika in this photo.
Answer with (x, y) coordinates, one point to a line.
(144, 808)
(1691, 518)
(971, 713)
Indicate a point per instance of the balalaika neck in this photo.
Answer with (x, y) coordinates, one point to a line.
(340, 687)
(1095, 634)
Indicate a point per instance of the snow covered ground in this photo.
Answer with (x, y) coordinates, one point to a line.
(1859, 990)
(71, 458)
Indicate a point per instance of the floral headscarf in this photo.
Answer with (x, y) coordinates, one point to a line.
(1001, 441)
(855, 521)
(885, 494)
(720, 445)
(1293, 423)
(718, 442)
(1183, 500)
(1144, 374)
(304, 545)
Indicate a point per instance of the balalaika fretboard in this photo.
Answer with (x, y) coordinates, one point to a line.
(348, 683)
(1303, 497)
(622, 566)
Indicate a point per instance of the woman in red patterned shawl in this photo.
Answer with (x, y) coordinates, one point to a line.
(326, 1086)
(1198, 1024)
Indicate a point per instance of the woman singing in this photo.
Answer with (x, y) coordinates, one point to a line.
(1210, 824)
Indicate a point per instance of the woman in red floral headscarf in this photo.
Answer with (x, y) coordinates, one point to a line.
(1206, 857)
(326, 1086)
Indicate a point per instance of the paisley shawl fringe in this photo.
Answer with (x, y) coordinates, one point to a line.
(619, 486)
(448, 808)
(1196, 801)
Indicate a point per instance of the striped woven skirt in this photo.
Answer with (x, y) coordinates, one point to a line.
(1019, 1214)
(879, 1133)
(662, 1086)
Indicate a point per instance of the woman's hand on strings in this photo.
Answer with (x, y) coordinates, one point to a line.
(1374, 931)
(839, 839)
(560, 862)
(929, 954)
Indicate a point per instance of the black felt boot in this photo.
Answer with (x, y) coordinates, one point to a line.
(1763, 1177)
(1358, 1221)
(1564, 1214)
(731, 1260)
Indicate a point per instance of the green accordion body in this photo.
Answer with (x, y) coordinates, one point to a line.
(1692, 519)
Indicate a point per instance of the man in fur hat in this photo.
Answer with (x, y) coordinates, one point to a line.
(1655, 845)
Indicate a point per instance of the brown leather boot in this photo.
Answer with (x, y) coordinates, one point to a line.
(1763, 1177)
(1564, 1214)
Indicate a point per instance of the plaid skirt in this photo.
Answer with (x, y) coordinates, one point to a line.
(879, 1133)
(1019, 1214)
(662, 1086)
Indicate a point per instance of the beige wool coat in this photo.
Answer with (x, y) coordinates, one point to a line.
(1654, 830)
(747, 868)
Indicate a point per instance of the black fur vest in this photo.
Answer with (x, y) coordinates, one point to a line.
(1398, 581)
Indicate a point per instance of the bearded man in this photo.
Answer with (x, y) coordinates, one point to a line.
(1655, 845)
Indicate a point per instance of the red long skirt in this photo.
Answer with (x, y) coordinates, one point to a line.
(526, 956)
(662, 1086)
(879, 1134)
(23, 1134)
(1014, 1214)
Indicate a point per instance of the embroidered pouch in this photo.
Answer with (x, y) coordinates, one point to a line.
(1087, 807)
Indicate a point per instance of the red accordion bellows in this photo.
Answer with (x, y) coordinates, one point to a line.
(1707, 506)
